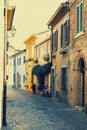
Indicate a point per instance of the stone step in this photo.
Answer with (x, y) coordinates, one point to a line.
(80, 108)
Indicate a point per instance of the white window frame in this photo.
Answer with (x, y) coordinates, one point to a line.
(78, 32)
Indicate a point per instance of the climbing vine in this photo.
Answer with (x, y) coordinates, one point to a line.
(40, 72)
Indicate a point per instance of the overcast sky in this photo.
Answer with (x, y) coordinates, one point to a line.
(31, 16)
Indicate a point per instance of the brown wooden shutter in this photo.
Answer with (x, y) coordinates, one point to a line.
(54, 44)
(51, 42)
(61, 35)
(56, 39)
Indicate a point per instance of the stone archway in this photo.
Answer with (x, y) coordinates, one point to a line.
(80, 84)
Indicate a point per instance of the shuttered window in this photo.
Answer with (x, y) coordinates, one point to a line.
(65, 33)
(23, 78)
(64, 78)
(54, 41)
(79, 16)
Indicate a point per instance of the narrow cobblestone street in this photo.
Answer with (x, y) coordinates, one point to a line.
(33, 112)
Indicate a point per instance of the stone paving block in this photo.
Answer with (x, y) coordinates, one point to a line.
(26, 111)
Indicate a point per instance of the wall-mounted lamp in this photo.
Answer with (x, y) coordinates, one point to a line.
(13, 31)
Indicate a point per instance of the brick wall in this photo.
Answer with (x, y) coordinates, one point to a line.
(78, 49)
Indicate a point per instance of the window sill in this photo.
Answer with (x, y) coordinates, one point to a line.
(79, 34)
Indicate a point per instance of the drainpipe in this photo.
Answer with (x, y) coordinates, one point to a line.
(51, 28)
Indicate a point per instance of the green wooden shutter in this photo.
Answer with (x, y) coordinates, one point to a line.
(77, 19)
(67, 31)
(81, 16)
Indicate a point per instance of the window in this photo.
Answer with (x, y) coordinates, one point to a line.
(79, 16)
(54, 41)
(7, 59)
(19, 78)
(23, 59)
(14, 77)
(37, 52)
(7, 46)
(65, 33)
(14, 62)
(23, 78)
(18, 61)
(27, 54)
(64, 77)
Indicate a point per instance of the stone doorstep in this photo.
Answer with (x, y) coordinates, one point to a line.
(80, 108)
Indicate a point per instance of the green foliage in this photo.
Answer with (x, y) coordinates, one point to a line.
(36, 61)
(36, 70)
(46, 68)
(40, 72)
(40, 87)
(46, 58)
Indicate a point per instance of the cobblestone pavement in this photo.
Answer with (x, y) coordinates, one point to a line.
(33, 112)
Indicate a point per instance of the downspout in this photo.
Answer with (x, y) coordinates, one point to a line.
(69, 53)
(51, 46)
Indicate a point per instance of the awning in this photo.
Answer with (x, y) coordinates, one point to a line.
(10, 16)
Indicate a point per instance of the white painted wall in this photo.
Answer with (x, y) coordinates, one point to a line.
(10, 52)
(1, 56)
(20, 68)
(10, 72)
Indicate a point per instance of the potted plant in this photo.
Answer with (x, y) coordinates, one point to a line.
(46, 58)
(36, 61)
(30, 59)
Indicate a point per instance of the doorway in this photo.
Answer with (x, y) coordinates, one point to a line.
(53, 82)
(81, 78)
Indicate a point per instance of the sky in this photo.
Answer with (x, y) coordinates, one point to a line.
(31, 17)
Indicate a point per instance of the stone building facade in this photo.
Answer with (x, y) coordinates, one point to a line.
(69, 62)
(59, 23)
(77, 86)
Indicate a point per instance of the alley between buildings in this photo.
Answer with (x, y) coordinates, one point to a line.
(27, 111)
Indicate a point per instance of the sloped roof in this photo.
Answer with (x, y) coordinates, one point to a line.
(10, 16)
(60, 12)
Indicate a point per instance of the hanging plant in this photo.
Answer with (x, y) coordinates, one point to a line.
(36, 70)
(30, 59)
(46, 58)
(36, 61)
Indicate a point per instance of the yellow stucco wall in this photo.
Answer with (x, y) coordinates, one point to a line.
(29, 64)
